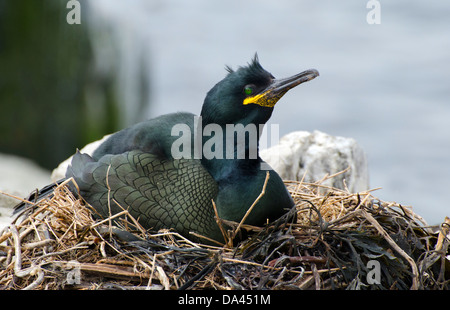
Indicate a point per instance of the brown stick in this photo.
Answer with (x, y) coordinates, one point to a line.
(263, 191)
(219, 223)
(113, 271)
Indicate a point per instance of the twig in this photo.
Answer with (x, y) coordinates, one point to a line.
(37, 244)
(36, 282)
(109, 200)
(136, 223)
(316, 276)
(327, 176)
(239, 261)
(226, 237)
(18, 271)
(252, 206)
(109, 219)
(442, 242)
(18, 198)
(112, 271)
(82, 245)
(152, 270)
(206, 238)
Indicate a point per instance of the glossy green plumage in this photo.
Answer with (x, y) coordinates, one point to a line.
(160, 193)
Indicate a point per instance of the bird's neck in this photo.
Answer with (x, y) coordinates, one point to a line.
(231, 150)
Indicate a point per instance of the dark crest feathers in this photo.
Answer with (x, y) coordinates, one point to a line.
(253, 65)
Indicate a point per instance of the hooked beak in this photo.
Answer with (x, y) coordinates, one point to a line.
(269, 96)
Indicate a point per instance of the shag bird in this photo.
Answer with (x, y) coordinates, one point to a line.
(168, 180)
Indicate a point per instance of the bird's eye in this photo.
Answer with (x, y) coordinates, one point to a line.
(248, 90)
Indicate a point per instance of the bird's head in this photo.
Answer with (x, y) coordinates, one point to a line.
(248, 95)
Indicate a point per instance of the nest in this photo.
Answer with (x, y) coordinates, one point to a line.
(332, 239)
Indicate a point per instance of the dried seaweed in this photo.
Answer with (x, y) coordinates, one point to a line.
(332, 239)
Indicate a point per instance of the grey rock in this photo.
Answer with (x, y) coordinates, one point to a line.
(313, 156)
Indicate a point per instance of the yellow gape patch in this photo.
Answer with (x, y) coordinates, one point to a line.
(265, 99)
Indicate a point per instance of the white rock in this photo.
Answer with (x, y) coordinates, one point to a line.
(19, 177)
(316, 155)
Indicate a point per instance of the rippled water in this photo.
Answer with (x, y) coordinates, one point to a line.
(385, 85)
